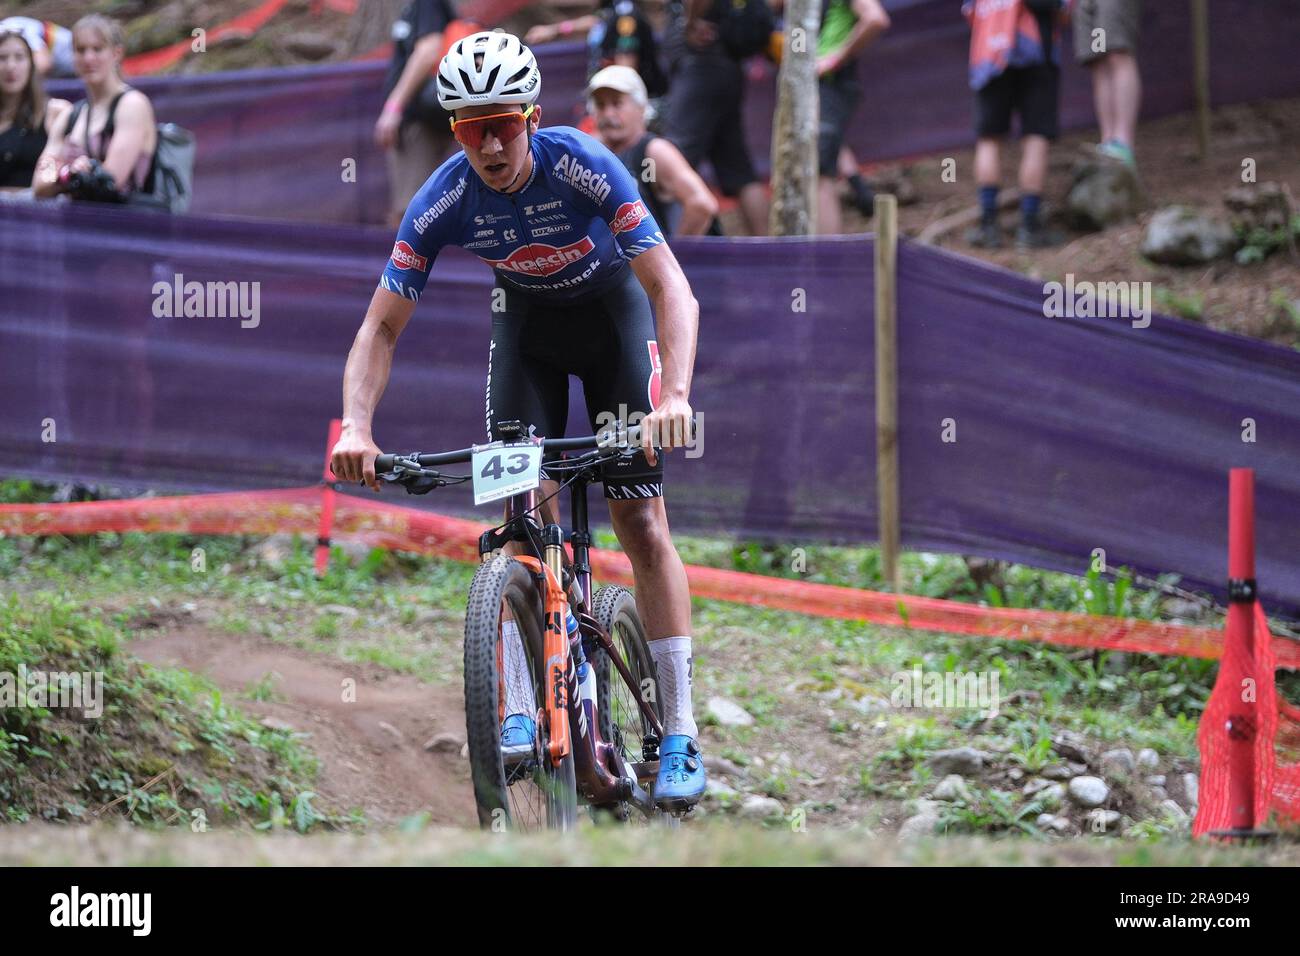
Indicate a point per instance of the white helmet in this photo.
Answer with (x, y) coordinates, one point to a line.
(507, 72)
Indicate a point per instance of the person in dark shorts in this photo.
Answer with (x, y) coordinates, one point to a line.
(607, 339)
(847, 27)
(1014, 68)
(1105, 40)
(705, 104)
(673, 192)
(412, 128)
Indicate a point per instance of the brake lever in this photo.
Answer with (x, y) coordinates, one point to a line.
(414, 477)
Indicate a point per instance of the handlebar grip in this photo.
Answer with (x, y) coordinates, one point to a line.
(384, 464)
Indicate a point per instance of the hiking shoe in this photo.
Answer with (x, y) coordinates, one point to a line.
(862, 198)
(680, 782)
(518, 733)
(1037, 236)
(986, 235)
(1116, 150)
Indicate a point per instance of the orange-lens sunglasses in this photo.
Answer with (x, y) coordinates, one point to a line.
(504, 126)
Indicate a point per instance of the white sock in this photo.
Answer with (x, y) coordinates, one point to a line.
(519, 683)
(672, 657)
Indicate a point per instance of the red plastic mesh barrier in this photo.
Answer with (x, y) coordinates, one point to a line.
(1238, 729)
(297, 511)
(394, 527)
(1286, 778)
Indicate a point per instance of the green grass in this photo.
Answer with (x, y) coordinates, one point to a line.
(168, 749)
(805, 680)
(694, 845)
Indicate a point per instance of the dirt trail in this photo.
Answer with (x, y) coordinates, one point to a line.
(371, 750)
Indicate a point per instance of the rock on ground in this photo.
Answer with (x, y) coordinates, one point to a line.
(758, 807)
(1088, 791)
(728, 713)
(1104, 192)
(1119, 761)
(951, 788)
(961, 760)
(1183, 236)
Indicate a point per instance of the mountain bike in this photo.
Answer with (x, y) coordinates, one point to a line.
(604, 750)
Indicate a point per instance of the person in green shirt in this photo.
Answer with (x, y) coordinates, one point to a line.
(847, 27)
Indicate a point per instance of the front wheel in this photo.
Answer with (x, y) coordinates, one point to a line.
(622, 722)
(503, 676)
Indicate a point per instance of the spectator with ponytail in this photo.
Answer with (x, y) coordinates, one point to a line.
(104, 151)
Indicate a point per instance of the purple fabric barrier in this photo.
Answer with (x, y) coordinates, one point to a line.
(272, 142)
(1072, 434)
(1076, 434)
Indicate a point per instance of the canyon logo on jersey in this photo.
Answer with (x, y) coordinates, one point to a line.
(404, 257)
(628, 217)
(542, 259)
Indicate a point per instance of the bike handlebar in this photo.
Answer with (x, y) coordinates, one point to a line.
(606, 439)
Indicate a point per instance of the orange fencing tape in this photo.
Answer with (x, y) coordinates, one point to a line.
(152, 61)
(395, 527)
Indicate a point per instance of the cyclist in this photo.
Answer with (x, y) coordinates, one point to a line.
(578, 262)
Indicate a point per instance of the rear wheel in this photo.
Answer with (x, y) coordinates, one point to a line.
(621, 720)
(532, 793)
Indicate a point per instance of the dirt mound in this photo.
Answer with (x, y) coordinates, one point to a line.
(367, 726)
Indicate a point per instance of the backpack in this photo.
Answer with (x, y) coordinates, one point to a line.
(745, 27)
(169, 184)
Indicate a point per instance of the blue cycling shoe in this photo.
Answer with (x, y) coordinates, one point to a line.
(680, 783)
(517, 735)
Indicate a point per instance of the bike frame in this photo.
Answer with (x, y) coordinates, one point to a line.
(600, 778)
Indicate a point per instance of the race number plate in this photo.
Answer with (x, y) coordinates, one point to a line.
(502, 470)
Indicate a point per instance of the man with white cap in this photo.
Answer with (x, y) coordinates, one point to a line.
(674, 192)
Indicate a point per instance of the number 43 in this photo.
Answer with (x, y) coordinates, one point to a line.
(493, 468)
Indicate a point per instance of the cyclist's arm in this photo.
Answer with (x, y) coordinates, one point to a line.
(684, 185)
(678, 319)
(364, 379)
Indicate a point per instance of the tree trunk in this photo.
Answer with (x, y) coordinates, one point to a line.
(794, 130)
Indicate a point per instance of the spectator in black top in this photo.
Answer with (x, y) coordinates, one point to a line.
(26, 116)
(707, 43)
(412, 129)
(673, 192)
(617, 34)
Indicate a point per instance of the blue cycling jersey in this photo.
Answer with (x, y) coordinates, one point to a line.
(570, 230)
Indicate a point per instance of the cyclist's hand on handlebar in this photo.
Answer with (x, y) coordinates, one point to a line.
(353, 458)
(668, 426)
